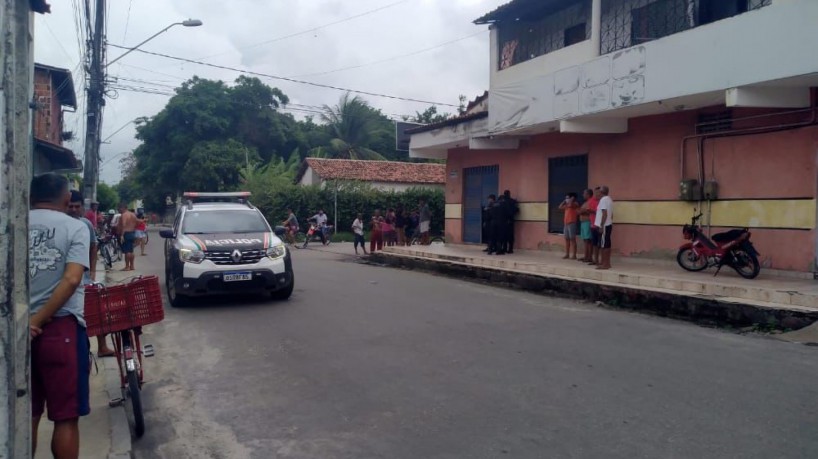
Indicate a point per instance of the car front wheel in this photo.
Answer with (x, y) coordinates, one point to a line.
(284, 293)
(174, 298)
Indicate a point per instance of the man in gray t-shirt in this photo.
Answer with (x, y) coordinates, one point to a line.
(58, 250)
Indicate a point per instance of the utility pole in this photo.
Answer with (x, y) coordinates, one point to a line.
(96, 99)
(16, 94)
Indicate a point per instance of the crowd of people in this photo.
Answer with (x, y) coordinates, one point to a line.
(591, 220)
(498, 223)
(396, 226)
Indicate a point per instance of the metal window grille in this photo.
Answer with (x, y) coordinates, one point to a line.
(714, 122)
(627, 23)
(528, 38)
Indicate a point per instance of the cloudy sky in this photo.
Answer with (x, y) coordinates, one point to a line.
(417, 49)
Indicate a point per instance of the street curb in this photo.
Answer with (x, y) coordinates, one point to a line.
(719, 311)
(121, 447)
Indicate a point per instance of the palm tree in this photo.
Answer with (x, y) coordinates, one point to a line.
(352, 123)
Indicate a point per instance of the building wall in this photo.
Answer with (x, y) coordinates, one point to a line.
(766, 182)
(48, 115)
(698, 64)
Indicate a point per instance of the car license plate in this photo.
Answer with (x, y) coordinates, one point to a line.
(233, 277)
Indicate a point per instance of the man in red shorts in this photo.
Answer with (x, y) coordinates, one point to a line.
(58, 257)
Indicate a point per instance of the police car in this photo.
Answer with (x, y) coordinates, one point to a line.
(222, 244)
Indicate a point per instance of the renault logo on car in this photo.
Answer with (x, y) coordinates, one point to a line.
(236, 256)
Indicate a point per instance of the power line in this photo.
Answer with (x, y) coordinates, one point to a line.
(127, 20)
(291, 80)
(389, 59)
(304, 32)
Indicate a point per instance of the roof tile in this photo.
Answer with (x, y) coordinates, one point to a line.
(378, 171)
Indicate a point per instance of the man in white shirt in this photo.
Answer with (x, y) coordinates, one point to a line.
(320, 220)
(604, 221)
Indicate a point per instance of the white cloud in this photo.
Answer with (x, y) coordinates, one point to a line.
(231, 27)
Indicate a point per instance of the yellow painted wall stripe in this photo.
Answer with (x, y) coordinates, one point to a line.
(783, 213)
(533, 212)
(751, 213)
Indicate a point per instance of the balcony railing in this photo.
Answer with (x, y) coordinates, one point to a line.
(627, 23)
(528, 38)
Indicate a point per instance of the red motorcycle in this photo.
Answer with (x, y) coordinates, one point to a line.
(732, 248)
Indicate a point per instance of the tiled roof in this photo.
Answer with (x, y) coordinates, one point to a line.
(375, 171)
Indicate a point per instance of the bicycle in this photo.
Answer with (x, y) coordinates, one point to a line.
(107, 250)
(433, 240)
(121, 311)
(311, 235)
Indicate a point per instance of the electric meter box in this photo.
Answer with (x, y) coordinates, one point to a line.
(690, 190)
(711, 190)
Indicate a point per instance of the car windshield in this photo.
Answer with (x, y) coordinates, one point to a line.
(228, 221)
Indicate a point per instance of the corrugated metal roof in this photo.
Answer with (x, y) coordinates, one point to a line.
(521, 9)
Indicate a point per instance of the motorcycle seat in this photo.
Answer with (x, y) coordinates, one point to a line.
(728, 236)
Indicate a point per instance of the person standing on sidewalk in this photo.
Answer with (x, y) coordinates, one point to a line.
(585, 225)
(92, 214)
(604, 220)
(358, 230)
(126, 228)
(400, 225)
(375, 234)
(60, 364)
(513, 210)
(569, 206)
(425, 222)
(593, 205)
(75, 210)
(141, 233)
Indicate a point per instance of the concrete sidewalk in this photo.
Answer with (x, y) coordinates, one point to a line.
(781, 300)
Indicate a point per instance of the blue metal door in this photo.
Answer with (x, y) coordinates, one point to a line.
(478, 183)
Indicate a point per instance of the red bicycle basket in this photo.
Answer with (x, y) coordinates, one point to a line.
(123, 306)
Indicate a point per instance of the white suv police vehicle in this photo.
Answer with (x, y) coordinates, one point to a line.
(222, 244)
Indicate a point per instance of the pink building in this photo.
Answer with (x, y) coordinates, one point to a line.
(644, 96)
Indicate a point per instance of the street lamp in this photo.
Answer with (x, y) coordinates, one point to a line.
(186, 23)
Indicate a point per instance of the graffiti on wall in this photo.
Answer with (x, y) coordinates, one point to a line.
(612, 81)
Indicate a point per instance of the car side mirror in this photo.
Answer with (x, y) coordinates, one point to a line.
(280, 231)
(166, 234)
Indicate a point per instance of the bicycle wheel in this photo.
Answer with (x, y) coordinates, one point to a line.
(106, 256)
(136, 402)
(437, 240)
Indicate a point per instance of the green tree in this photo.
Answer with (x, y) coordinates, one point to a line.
(107, 197)
(354, 126)
(430, 116)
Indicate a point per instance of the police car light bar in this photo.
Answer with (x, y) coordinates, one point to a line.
(233, 194)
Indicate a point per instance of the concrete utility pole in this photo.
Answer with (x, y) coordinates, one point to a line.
(16, 94)
(96, 99)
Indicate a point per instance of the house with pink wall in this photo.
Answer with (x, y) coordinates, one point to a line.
(676, 105)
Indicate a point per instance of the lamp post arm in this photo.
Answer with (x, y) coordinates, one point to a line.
(142, 43)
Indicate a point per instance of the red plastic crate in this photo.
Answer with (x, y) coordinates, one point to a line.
(123, 306)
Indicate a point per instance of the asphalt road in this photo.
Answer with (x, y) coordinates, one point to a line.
(371, 362)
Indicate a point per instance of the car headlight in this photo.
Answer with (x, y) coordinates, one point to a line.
(277, 251)
(191, 256)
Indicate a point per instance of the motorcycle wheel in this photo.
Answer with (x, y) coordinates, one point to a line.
(688, 260)
(746, 264)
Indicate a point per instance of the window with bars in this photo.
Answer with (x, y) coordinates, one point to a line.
(627, 23)
(528, 38)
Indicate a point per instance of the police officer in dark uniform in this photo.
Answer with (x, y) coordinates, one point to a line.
(498, 222)
(485, 219)
(512, 209)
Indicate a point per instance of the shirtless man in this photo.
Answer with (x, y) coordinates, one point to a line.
(127, 228)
